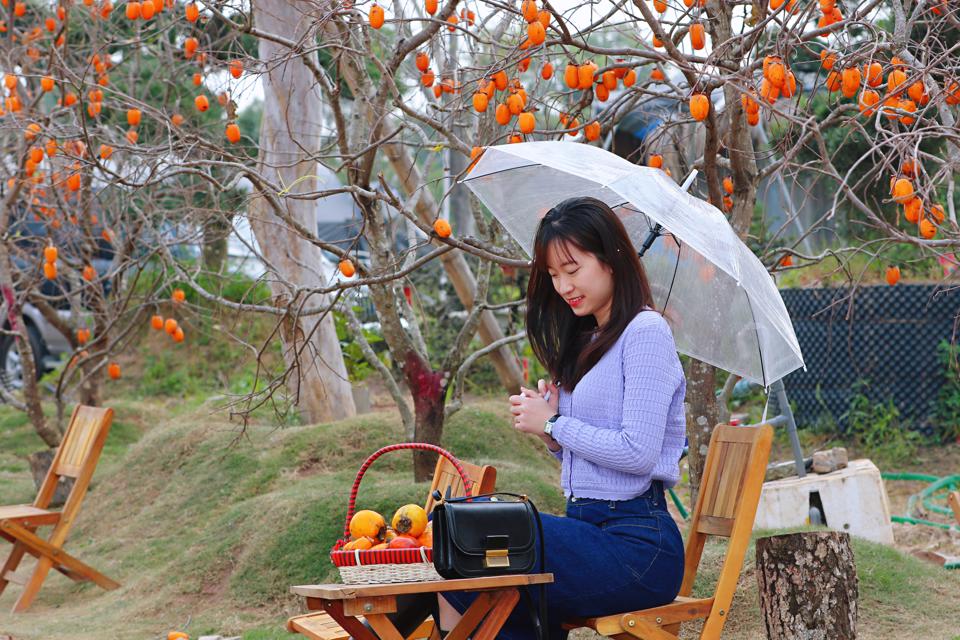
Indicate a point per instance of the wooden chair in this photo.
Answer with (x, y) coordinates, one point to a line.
(76, 458)
(726, 506)
(320, 626)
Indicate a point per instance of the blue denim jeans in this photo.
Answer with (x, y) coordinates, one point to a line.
(606, 557)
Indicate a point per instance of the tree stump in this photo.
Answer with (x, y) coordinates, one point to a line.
(39, 466)
(808, 586)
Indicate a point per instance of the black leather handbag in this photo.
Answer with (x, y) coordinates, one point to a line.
(486, 536)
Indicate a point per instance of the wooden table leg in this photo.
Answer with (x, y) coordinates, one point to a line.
(350, 624)
(473, 616)
(506, 601)
(384, 628)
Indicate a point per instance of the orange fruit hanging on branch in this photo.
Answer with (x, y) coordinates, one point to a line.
(113, 370)
(422, 62)
(868, 101)
(480, 102)
(192, 12)
(376, 16)
(442, 228)
(133, 10)
(699, 106)
(912, 209)
(893, 275)
(233, 133)
(697, 36)
(571, 76)
(346, 268)
(156, 322)
(536, 33)
(902, 190)
(592, 131)
(655, 161)
(201, 102)
(526, 122)
(178, 296)
(236, 68)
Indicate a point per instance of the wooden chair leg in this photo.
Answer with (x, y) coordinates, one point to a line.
(32, 588)
(11, 564)
(39, 547)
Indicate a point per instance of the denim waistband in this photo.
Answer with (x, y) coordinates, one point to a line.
(655, 490)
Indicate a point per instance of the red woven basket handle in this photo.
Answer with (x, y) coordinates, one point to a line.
(423, 446)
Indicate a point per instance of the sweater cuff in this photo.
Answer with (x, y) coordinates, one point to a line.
(558, 428)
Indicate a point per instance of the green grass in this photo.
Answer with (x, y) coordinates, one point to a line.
(206, 527)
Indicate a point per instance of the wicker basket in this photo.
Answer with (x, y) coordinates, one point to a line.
(388, 565)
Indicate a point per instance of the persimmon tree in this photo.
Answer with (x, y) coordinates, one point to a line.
(395, 100)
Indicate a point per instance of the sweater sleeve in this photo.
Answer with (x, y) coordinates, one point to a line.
(650, 381)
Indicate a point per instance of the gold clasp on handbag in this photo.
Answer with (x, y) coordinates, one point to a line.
(496, 558)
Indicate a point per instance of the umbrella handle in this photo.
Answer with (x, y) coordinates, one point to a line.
(689, 181)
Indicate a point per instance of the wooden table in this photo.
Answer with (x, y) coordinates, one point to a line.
(346, 603)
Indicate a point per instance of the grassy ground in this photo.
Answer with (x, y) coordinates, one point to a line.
(207, 527)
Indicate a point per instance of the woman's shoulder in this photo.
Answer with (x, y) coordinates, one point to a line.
(648, 320)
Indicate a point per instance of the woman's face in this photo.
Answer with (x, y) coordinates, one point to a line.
(583, 281)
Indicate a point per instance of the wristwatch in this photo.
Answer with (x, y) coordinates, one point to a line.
(548, 425)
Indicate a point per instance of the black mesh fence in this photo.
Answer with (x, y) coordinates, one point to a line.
(883, 336)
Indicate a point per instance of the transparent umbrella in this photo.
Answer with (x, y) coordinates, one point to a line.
(718, 298)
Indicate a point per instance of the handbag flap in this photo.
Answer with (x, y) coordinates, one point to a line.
(476, 527)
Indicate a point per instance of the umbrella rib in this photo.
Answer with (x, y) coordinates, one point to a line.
(673, 278)
(493, 173)
(753, 317)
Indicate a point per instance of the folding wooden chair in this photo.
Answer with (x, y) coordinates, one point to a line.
(726, 506)
(75, 458)
(320, 626)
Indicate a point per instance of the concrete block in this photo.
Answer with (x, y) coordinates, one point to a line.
(853, 499)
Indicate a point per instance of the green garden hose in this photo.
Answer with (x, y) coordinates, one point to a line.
(926, 496)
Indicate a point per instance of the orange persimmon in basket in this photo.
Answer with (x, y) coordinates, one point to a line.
(368, 524)
(410, 520)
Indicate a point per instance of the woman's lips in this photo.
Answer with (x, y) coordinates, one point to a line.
(574, 302)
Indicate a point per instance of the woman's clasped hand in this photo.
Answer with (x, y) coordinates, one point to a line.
(531, 409)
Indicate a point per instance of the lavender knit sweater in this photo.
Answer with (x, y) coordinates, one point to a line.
(623, 426)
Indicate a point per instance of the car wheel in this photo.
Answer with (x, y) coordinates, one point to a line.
(11, 366)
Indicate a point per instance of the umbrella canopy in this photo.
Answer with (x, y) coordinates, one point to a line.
(718, 298)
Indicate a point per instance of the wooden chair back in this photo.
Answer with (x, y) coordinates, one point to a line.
(76, 458)
(445, 477)
(727, 506)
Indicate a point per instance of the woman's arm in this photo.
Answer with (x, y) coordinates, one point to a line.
(650, 382)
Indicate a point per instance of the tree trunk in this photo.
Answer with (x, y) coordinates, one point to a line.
(289, 132)
(808, 586)
(428, 390)
(702, 416)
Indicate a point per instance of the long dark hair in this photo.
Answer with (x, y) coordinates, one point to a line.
(560, 339)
